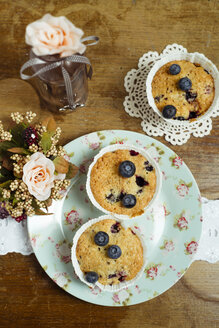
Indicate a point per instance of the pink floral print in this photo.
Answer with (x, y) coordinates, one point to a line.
(152, 272)
(191, 248)
(182, 223)
(176, 161)
(169, 246)
(183, 188)
(95, 290)
(63, 251)
(73, 220)
(138, 290)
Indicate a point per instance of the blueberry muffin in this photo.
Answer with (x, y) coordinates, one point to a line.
(123, 182)
(183, 90)
(108, 253)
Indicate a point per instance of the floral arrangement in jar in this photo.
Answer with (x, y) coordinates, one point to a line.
(34, 170)
(58, 62)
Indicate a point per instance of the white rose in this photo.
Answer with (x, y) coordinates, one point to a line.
(54, 35)
(38, 175)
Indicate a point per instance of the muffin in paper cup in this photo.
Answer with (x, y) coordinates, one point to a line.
(109, 191)
(195, 58)
(113, 274)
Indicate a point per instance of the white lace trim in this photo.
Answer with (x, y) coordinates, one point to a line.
(136, 103)
(14, 236)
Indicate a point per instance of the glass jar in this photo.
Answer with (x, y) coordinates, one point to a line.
(51, 88)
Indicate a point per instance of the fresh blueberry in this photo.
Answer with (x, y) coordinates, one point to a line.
(169, 111)
(127, 169)
(185, 84)
(174, 69)
(101, 238)
(114, 252)
(129, 201)
(91, 277)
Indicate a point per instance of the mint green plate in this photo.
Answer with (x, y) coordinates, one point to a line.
(171, 229)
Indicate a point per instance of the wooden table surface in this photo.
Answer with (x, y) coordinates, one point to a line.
(127, 29)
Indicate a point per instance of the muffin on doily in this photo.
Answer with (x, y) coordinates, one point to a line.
(183, 87)
(183, 90)
(106, 254)
(123, 180)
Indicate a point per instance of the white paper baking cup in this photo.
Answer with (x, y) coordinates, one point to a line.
(193, 58)
(80, 274)
(141, 151)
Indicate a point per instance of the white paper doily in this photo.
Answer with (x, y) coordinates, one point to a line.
(136, 103)
(14, 236)
(208, 249)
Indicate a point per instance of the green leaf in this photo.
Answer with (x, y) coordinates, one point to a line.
(17, 134)
(15, 201)
(4, 145)
(6, 175)
(6, 184)
(61, 165)
(189, 184)
(71, 154)
(46, 141)
(72, 171)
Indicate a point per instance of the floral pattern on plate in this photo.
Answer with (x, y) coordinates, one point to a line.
(171, 235)
(63, 251)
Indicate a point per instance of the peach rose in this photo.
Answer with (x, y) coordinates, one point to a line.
(54, 35)
(38, 175)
